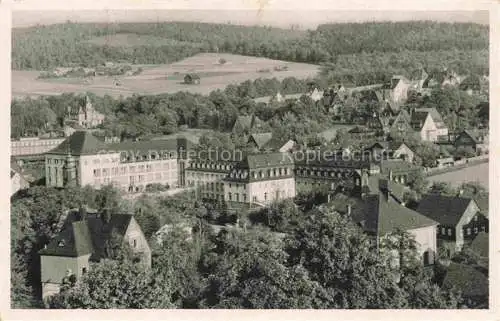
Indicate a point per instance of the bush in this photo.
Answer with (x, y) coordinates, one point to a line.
(157, 187)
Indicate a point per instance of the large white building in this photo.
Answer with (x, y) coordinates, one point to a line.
(82, 160)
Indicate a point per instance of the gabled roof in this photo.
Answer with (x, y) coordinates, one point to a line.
(467, 279)
(87, 236)
(261, 139)
(482, 202)
(247, 122)
(397, 166)
(447, 210)
(380, 215)
(80, 143)
(387, 145)
(419, 116)
(265, 160)
(478, 136)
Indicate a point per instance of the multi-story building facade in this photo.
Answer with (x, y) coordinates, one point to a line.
(261, 178)
(428, 124)
(84, 238)
(82, 160)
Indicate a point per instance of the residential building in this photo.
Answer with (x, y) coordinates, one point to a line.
(477, 140)
(261, 179)
(401, 124)
(82, 160)
(459, 218)
(391, 150)
(265, 142)
(397, 89)
(89, 237)
(381, 212)
(207, 170)
(399, 170)
(428, 124)
(33, 145)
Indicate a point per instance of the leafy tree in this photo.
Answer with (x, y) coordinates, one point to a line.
(247, 270)
(343, 261)
(114, 284)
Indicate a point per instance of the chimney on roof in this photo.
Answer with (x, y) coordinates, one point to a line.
(106, 215)
(383, 185)
(460, 193)
(82, 213)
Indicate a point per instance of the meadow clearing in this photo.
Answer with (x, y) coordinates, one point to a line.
(168, 78)
(475, 173)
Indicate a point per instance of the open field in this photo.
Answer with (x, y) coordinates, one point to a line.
(157, 79)
(475, 173)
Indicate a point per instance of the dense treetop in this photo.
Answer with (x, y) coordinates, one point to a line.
(51, 46)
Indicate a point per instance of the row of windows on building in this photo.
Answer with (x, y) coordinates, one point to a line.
(237, 197)
(269, 173)
(468, 231)
(131, 169)
(36, 143)
(221, 167)
(157, 177)
(152, 156)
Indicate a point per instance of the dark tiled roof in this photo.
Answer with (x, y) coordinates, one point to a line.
(80, 143)
(397, 166)
(89, 236)
(157, 145)
(380, 215)
(420, 114)
(483, 202)
(480, 244)
(467, 279)
(478, 136)
(265, 160)
(447, 210)
(261, 139)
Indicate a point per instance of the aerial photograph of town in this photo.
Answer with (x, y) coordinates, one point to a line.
(169, 163)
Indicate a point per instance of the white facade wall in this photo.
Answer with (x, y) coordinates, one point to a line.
(427, 241)
(103, 169)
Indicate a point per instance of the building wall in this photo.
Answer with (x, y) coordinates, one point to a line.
(427, 242)
(33, 145)
(270, 190)
(55, 268)
(400, 92)
(208, 184)
(466, 218)
(54, 170)
(430, 132)
(404, 150)
(103, 169)
(137, 241)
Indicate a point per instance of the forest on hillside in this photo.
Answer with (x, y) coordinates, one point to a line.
(353, 52)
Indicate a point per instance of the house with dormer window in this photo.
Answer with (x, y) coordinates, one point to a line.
(85, 238)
